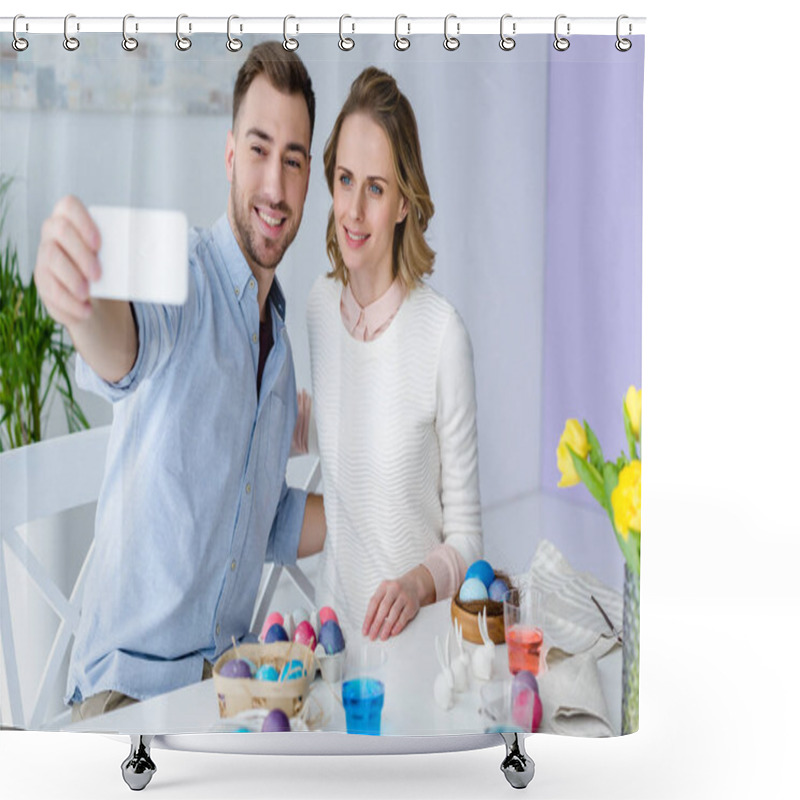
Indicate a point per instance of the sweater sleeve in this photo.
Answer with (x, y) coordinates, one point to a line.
(456, 428)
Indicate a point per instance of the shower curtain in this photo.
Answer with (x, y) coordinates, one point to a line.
(508, 410)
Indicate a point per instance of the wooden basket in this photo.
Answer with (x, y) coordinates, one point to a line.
(241, 694)
(467, 615)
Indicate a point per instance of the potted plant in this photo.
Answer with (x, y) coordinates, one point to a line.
(34, 354)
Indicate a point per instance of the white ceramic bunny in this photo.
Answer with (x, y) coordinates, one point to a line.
(483, 657)
(460, 664)
(444, 685)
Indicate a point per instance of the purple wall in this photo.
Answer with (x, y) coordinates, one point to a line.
(593, 254)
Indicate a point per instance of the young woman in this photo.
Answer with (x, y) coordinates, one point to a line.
(393, 380)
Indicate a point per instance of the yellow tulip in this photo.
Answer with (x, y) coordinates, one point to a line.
(626, 499)
(633, 405)
(575, 436)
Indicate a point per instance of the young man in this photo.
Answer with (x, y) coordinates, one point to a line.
(194, 497)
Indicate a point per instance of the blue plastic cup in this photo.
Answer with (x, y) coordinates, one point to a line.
(363, 689)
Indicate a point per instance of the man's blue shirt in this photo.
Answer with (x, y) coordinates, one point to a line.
(194, 497)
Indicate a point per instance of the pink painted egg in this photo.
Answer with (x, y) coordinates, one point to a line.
(326, 613)
(275, 618)
(304, 634)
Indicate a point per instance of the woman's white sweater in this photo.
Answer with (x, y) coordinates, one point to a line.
(397, 437)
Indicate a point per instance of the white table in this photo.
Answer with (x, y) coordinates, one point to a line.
(409, 709)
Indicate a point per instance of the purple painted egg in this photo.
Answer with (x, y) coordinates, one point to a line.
(331, 637)
(276, 722)
(276, 633)
(497, 590)
(236, 668)
(304, 634)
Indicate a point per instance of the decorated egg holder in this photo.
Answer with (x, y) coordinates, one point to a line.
(235, 695)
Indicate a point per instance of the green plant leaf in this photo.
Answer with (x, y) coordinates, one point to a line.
(589, 476)
(629, 433)
(595, 451)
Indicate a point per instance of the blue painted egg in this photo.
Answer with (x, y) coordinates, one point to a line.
(292, 670)
(498, 589)
(276, 633)
(473, 589)
(481, 570)
(276, 722)
(267, 673)
(331, 637)
(235, 668)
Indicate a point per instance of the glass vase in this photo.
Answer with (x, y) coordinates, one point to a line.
(630, 653)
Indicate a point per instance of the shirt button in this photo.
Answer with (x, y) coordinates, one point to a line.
(219, 629)
(252, 284)
(248, 488)
(255, 338)
(236, 291)
(233, 565)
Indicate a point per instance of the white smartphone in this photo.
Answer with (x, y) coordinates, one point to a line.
(143, 255)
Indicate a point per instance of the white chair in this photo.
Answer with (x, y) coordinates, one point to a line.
(40, 481)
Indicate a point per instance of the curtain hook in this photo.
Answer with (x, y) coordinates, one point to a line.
(233, 44)
(289, 43)
(451, 42)
(561, 43)
(507, 42)
(400, 42)
(19, 44)
(345, 42)
(182, 42)
(623, 45)
(70, 42)
(128, 42)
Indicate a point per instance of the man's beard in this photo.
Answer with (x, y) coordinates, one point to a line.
(248, 237)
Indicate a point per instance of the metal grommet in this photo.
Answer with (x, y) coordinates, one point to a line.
(507, 42)
(128, 42)
(400, 42)
(345, 42)
(451, 42)
(19, 44)
(561, 43)
(183, 43)
(233, 44)
(623, 45)
(70, 42)
(289, 43)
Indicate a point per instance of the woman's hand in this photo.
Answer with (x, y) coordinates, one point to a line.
(396, 603)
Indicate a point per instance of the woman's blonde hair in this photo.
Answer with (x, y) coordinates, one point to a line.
(375, 93)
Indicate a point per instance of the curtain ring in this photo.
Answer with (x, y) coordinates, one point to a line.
(451, 42)
(128, 42)
(561, 43)
(400, 42)
(623, 45)
(19, 44)
(507, 42)
(70, 42)
(183, 43)
(345, 42)
(289, 43)
(233, 44)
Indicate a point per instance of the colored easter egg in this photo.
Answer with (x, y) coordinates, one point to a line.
(272, 618)
(276, 634)
(304, 634)
(326, 613)
(473, 589)
(236, 668)
(522, 708)
(538, 711)
(497, 590)
(331, 637)
(292, 670)
(276, 722)
(481, 570)
(267, 673)
(524, 679)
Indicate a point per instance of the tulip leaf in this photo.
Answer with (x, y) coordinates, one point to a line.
(595, 451)
(590, 477)
(629, 432)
